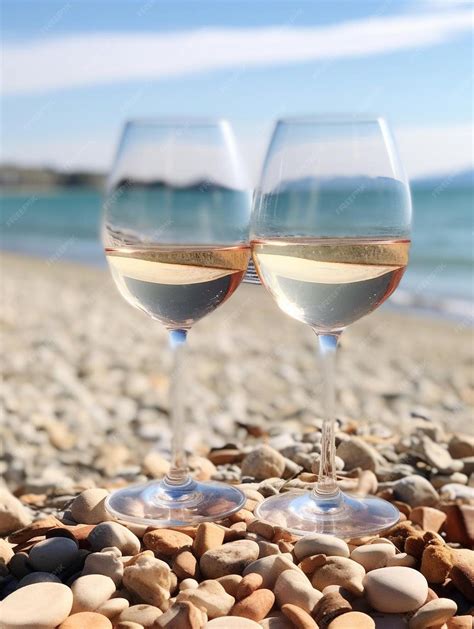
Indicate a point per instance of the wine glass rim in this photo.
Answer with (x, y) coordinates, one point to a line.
(176, 121)
(327, 118)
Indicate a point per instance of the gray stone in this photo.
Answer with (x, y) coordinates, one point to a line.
(110, 534)
(416, 491)
(356, 453)
(53, 554)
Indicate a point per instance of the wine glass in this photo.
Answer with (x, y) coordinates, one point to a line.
(175, 231)
(330, 239)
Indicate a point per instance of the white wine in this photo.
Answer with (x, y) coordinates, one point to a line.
(329, 283)
(178, 285)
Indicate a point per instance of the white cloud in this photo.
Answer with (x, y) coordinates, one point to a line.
(101, 58)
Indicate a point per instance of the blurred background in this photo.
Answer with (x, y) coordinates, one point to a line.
(74, 71)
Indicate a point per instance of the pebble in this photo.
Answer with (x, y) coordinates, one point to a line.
(294, 587)
(230, 558)
(396, 589)
(13, 514)
(155, 465)
(262, 463)
(357, 453)
(148, 578)
(246, 586)
(340, 571)
(53, 554)
(416, 491)
(298, 617)
(435, 454)
(184, 565)
(255, 606)
(352, 620)
(91, 591)
(166, 542)
(270, 568)
(434, 613)
(89, 506)
(211, 596)
(182, 615)
(402, 559)
(145, 615)
(462, 575)
(108, 534)
(436, 563)
(83, 620)
(372, 556)
(461, 446)
(331, 605)
(39, 606)
(208, 536)
(38, 577)
(231, 583)
(232, 622)
(113, 607)
(107, 562)
(319, 543)
(428, 518)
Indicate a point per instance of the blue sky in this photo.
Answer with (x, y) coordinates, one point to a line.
(74, 70)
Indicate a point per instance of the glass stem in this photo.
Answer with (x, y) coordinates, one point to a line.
(327, 485)
(178, 473)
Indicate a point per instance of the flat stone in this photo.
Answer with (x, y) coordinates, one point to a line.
(89, 506)
(319, 543)
(416, 491)
(91, 620)
(37, 606)
(166, 542)
(110, 534)
(373, 556)
(396, 589)
(91, 591)
(230, 558)
(434, 613)
(53, 554)
(107, 562)
(211, 596)
(148, 578)
(13, 514)
(262, 463)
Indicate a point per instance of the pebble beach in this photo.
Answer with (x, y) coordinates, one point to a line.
(85, 410)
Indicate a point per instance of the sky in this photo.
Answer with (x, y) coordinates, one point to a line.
(74, 70)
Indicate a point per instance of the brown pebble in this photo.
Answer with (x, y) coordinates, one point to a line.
(226, 455)
(462, 575)
(255, 606)
(188, 530)
(436, 563)
(242, 516)
(166, 542)
(208, 537)
(309, 564)
(352, 620)
(264, 529)
(285, 547)
(185, 565)
(459, 525)
(91, 620)
(248, 585)
(403, 507)
(428, 518)
(38, 528)
(298, 616)
(329, 606)
(230, 583)
(460, 622)
(283, 534)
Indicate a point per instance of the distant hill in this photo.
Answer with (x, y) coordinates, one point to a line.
(12, 176)
(461, 179)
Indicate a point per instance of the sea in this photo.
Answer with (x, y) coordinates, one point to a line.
(63, 224)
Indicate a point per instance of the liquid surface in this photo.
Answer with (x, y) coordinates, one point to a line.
(330, 283)
(178, 285)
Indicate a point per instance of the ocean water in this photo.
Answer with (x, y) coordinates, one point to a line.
(64, 224)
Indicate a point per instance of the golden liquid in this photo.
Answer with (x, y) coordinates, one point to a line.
(330, 283)
(178, 285)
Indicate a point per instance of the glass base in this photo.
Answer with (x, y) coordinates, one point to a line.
(342, 515)
(161, 503)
